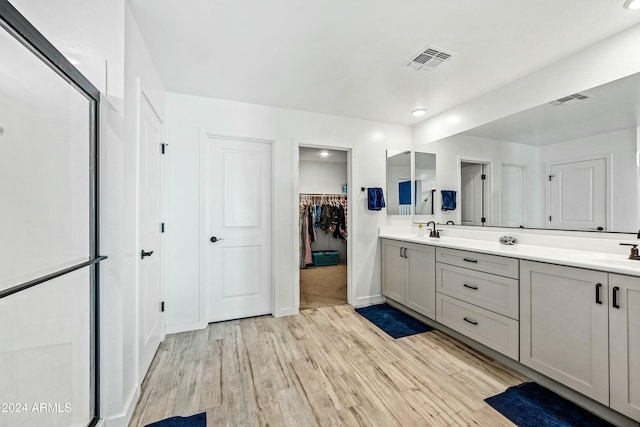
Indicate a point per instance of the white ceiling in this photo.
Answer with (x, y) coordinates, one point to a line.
(347, 57)
(610, 107)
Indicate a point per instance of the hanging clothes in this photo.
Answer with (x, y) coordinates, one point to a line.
(326, 213)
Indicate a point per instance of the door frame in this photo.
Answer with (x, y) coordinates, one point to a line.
(608, 187)
(490, 208)
(140, 93)
(295, 201)
(205, 137)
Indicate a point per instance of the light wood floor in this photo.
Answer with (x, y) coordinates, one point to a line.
(323, 286)
(326, 366)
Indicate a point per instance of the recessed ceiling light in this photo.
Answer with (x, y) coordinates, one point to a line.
(632, 4)
(419, 112)
(324, 153)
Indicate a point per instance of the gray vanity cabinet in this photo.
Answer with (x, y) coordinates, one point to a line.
(408, 275)
(477, 295)
(624, 342)
(564, 331)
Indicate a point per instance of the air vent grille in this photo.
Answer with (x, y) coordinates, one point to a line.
(569, 98)
(429, 58)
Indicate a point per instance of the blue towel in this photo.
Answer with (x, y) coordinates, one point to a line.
(448, 200)
(376, 199)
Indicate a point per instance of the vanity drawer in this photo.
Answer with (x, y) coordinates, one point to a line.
(493, 264)
(494, 293)
(493, 330)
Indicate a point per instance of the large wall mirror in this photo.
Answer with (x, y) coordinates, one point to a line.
(570, 164)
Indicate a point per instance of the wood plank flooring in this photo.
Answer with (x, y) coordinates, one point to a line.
(324, 367)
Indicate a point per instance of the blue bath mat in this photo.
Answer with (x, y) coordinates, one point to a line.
(198, 420)
(394, 322)
(531, 405)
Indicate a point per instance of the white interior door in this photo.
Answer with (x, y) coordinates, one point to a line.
(236, 209)
(512, 195)
(471, 194)
(577, 195)
(150, 219)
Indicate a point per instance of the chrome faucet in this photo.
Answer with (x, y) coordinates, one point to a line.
(433, 233)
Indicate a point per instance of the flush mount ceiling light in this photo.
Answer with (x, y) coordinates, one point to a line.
(324, 153)
(418, 112)
(632, 4)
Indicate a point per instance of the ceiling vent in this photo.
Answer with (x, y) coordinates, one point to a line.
(429, 58)
(565, 99)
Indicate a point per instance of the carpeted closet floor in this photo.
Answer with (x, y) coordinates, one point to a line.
(323, 286)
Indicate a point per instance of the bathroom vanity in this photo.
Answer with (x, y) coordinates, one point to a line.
(571, 315)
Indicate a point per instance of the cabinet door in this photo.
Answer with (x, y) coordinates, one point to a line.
(563, 329)
(421, 279)
(393, 264)
(624, 341)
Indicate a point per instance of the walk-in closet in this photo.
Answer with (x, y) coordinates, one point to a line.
(323, 225)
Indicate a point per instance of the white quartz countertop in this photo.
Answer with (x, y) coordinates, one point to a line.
(612, 263)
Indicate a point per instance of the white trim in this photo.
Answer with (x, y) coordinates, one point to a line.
(351, 285)
(371, 300)
(124, 418)
(186, 327)
(489, 189)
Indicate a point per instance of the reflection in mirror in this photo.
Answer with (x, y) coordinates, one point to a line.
(398, 182)
(569, 164)
(425, 182)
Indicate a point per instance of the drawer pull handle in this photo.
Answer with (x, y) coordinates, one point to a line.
(598, 297)
(401, 252)
(405, 252)
(473, 322)
(475, 261)
(475, 288)
(616, 289)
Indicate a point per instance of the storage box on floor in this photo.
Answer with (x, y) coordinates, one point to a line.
(322, 258)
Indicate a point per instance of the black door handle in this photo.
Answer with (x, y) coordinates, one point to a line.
(215, 239)
(475, 261)
(615, 304)
(475, 288)
(143, 253)
(598, 299)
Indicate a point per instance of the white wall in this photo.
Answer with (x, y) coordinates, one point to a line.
(610, 59)
(621, 145)
(104, 32)
(322, 177)
(188, 116)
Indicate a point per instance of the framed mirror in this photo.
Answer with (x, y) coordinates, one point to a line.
(424, 172)
(570, 164)
(398, 195)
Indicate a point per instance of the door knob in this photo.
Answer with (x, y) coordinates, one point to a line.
(215, 239)
(143, 253)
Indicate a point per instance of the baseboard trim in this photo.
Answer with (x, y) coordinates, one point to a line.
(370, 300)
(184, 327)
(124, 418)
(290, 311)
